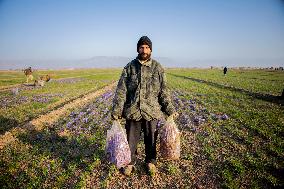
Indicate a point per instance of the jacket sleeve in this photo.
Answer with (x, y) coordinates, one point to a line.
(164, 95)
(120, 95)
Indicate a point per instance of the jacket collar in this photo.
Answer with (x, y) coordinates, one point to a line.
(145, 63)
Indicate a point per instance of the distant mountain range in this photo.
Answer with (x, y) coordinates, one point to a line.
(94, 62)
(120, 62)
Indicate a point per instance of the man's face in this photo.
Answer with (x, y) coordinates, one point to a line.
(144, 52)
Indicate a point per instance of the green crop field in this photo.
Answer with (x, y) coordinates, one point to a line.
(231, 131)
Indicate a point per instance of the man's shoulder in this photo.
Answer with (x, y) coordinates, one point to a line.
(131, 63)
(157, 65)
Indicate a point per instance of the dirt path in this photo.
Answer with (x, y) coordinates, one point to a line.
(51, 117)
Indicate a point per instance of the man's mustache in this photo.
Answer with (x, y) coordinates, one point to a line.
(144, 54)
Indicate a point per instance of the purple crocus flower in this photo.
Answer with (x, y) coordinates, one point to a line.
(85, 120)
(224, 117)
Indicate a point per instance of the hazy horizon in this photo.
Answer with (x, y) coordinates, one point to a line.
(120, 62)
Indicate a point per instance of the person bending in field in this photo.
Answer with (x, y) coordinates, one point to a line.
(142, 97)
(45, 78)
(28, 73)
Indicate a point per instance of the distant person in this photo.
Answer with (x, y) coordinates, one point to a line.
(142, 97)
(225, 70)
(28, 73)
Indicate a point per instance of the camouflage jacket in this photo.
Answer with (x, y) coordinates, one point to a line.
(142, 92)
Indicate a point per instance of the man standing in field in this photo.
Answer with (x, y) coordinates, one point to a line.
(141, 98)
(28, 73)
(225, 70)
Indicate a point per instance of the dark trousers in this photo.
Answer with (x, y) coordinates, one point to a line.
(133, 131)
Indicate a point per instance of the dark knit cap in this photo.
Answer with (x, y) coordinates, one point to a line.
(144, 40)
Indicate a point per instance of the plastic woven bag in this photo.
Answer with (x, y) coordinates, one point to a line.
(117, 148)
(170, 140)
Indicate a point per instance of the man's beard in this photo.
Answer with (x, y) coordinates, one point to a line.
(144, 56)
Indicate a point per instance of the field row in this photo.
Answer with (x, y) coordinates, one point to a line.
(229, 139)
(31, 101)
(255, 81)
(247, 150)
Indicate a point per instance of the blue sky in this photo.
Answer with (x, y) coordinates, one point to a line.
(184, 30)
